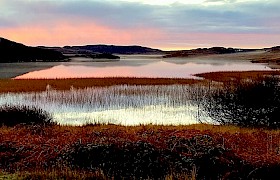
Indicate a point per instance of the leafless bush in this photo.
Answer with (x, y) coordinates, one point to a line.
(247, 103)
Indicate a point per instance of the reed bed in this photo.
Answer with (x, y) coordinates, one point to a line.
(120, 104)
(35, 85)
(237, 75)
(147, 151)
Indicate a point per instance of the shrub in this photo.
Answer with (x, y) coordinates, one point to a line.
(247, 103)
(15, 115)
(131, 160)
(143, 160)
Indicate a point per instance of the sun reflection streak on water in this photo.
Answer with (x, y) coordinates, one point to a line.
(123, 104)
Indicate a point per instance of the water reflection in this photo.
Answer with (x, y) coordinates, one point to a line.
(124, 105)
(145, 67)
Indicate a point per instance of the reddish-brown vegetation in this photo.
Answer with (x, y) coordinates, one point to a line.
(242, 150)
(207, 151)
(27, 85)
(236, 75)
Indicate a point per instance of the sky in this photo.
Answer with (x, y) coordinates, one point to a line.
(163, 24)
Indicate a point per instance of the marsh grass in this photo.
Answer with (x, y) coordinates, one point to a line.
(120, 104)
(66, 174)
(35, 85)
(199, 151)
(236, 75)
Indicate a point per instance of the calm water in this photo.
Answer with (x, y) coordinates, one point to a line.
(141, 66)
(125, 105)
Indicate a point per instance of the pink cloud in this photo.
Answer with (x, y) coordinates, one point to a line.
(79, 32)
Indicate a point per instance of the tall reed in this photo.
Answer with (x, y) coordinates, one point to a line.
(121, 104)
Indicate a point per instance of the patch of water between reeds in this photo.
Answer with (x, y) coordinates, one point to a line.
(122, 104)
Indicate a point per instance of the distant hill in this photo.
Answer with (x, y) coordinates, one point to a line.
(111, 49)
(15, 52)
(275, 49)
(205, 51)
(76, 52)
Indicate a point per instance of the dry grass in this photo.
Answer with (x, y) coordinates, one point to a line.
(27, 150)
(260, 56)
(266, 57)
(13, 85)
(66, 174)
(236, 75)
(35, 85)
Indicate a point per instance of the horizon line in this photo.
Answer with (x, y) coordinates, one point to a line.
(147, 46)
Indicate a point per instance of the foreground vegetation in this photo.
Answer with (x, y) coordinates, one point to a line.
(246, 103)
(96, 151)
(24, 115)
(106, 151)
